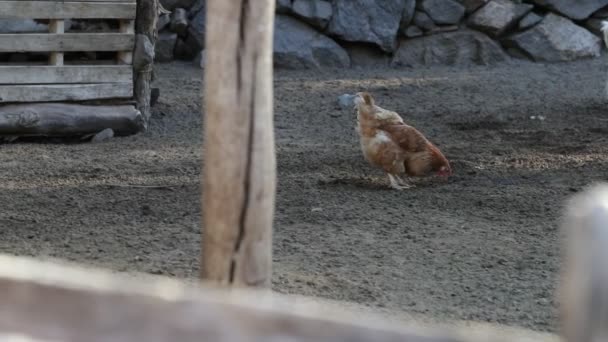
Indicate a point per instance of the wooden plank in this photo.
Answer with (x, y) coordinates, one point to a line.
(53, 302)
(68, 42)
(125, 1)
(11, 75)
(64, 92)
(66, 10)
(126, 26)
(60, 119)
(56, 27)
(240, 161)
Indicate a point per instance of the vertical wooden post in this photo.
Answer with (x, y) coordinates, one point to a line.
(584, 288)
(58, 27)
(145, 29)
(239, 175)
(126, 26)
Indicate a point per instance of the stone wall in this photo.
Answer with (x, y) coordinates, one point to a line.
(406, 33)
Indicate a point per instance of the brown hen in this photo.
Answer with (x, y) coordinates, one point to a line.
(399, 149)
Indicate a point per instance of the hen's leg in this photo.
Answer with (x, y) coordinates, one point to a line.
(404, 183)
(395, 184)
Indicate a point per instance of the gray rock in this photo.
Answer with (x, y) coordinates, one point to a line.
(367, 21)
(298, 46)
(163, 21)
(471, 6)
(179, 21)
(173, 4)
(443, 12)
(316, 12)
(283, 6)
(556, 39)
(595, 26)
(366, 55)
(103, 136)
(603, 13)
(21, 25)
(423, 21)
(154, 95)
(196, 8)
(576, 10)
(143, 54)
(443, 28)
(413, 31)
(165, 47)
(497, 16)
(460, 48)
(200, 59)
(346, 101)
(408, 15)
(529, 20)
(196, 30)
(517, 53)
(185, 51)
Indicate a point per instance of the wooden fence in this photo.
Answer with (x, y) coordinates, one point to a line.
(62, 79)
(94, 77)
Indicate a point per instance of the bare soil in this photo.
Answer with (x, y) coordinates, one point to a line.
(483, 246)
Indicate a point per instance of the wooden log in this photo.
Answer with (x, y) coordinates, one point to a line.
(179, 21)
(239, 161)
(145, 26)
(584, 290)
(56, 119)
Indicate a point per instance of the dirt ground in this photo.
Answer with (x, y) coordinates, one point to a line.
(480, 247)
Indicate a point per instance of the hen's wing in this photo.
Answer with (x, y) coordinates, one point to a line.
(406, 137)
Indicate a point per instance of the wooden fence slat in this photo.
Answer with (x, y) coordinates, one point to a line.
(65, 92)
(122, 1)
(10, 75)
(34, 42)
(66, 10)
(59, 303)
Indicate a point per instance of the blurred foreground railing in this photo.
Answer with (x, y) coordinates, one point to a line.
(51, 302)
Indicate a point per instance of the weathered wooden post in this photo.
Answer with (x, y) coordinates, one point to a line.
(239, 174)
(584, 290)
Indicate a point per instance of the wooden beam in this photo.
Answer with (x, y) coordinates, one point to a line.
(66, 10)
(55, 302)
(56, 27)
(67, 42)
(239, 161)
(64, 92)
(12, 75)
(584, 289)
(145, 29)
(59, 119)
(126, 57)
